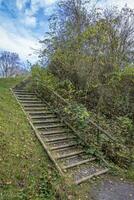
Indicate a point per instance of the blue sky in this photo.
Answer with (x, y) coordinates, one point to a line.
(24, 22)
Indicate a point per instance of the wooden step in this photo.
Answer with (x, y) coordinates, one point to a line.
(60, 138)
(46, 121)
(69, 154)
(33, 105)
(45, 117)
(35, 108)
(49, 126)
(24, 93)
(52, 132)
(40, 112)
(25, 96)
(20, 90)
(30, 101)
(79, 163)
(63, 146)
(52, 142)
(83, 179)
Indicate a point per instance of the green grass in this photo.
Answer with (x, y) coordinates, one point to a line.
(25, 169)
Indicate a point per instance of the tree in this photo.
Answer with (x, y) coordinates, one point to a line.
(9, 64)
(88, 45)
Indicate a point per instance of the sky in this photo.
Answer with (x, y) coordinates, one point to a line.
(24, 22)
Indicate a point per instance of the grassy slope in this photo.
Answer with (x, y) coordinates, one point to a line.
(25, 170)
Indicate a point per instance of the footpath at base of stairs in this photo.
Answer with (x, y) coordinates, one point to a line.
(58, 140)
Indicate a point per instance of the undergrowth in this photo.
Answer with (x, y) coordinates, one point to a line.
(120, 151)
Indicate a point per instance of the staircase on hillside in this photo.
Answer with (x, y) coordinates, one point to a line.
(58, 140)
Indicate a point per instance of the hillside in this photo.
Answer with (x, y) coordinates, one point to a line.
(25, 171)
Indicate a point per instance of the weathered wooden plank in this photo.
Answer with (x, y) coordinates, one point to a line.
(91, 176)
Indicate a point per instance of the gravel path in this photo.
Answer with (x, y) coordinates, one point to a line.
(112, 189)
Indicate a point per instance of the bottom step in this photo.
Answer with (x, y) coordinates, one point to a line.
(92, 175)
(87, 172)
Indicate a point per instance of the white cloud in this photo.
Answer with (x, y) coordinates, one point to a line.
(119, 3)
(49, 2)
(29, 21)
(29, 14)
(23, 45)
(49, 10)
(16, 35)
(37, 4)
(20, 4)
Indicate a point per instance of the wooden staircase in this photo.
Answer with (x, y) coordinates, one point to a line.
(58, 140)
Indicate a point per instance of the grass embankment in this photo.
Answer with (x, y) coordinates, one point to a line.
(25, 171)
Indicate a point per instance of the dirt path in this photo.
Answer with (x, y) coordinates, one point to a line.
(113, 189)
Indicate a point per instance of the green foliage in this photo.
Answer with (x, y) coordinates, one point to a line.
(79, 113)
(44, 188)
(87, 48)
(93, 50)
(44, 76)
(126, 123)
(67, 88)
(128, 127)
(78, 116)
(91, 53)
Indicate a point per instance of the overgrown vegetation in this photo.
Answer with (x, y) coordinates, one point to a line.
(89, 53)
(25, 170)
(93, 48)
(101, 140)
(89, 56)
